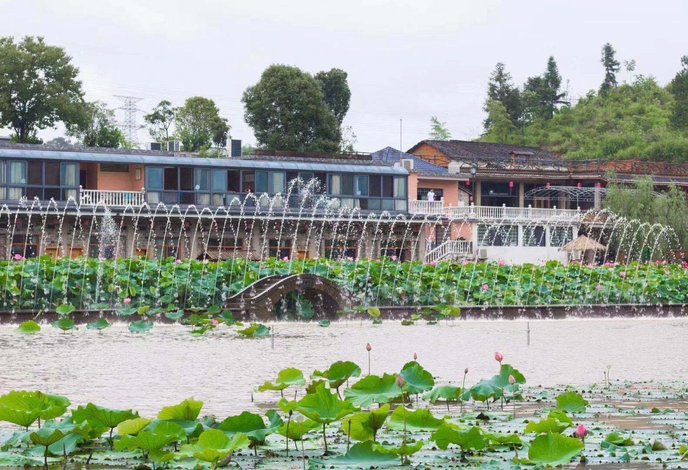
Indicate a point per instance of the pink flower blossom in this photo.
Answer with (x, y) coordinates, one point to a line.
(126, 301)
(485, 287)
(502, 262)
(415, 356)
(400, 381)
(368, 347)
(499, 357)
(349, 259)
(286, 258)
(215, 322)
(512, 380)
(178, 261)
(17, 257)
(599, 287)
(465, 262)
(581, 431)
(622, 274)
(434, 263)
(393, 257)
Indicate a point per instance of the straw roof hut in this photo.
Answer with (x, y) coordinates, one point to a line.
(583, 243)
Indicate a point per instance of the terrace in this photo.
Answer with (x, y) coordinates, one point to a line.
(495, 213)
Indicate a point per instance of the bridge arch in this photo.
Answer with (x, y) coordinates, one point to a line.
(258, 300)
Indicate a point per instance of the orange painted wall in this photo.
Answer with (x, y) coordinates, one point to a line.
(432, 155)
(450, 189)
(115, 181)
(413, 187)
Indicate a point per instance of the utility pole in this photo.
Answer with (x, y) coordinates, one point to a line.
(128, 126)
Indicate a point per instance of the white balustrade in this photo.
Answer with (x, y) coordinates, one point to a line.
(494, 213)
(450, 249)
(97, 197)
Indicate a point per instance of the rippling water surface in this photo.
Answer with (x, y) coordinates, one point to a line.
(118, 369)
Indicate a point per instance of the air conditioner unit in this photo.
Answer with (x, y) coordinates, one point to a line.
(407, 164)
(482, 253)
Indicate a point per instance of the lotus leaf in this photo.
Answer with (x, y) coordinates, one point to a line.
(256, 330)
(175, 315)
(214, 446)
(554, 449)
(29, 327)
(417, 380)
(418, 420)
(65, 309)
(100, 417)
(298, 428)
(361, 455)
(363, 426)
(616, 439)
(338, 373)
(572, 402)
(324, 323)
(228, 318)
(252, 426)
(556, 421)
(444, 392)
(99, 324)
(323, 406)
(65, 324)
(188, 410)
(140, 326)
(46, 436)
(472, 439)
(373, 389)
(403, 450)
(23, 408)
(285, 378)
(163, 434)
(132, 426)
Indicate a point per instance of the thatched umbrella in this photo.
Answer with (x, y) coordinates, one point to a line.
(583, 243)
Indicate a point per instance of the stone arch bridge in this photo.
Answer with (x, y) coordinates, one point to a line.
(258, 300)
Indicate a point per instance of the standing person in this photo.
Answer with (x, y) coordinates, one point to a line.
(431, 195)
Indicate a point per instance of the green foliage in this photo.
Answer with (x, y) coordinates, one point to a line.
(65, 324)
(501, 90)
(472, 439)
(255, 330)
(287, 111)
(140, 326)
(556, 421)
(187, 410)
(38, 87)
(374, 389)
(611, 68)
(285, 378)
(29, 327)
(252, 426)
(338, 373)
(199, 124)
(97, 127)
(679, 89)
(363, 426)
(443, 392)
(361, 455)
(98, 325)
(438, 129)
(160, 121)
(214, 446)
(572, 402)
(417, 420)
(337, 94)
(554, 449)
(24, 408)
(416, 378)
(322, 406)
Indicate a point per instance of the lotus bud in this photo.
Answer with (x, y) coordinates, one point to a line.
(465, 371)
(512, 380)
(581, 431)
(126, 301)
(400, 381)
(369, 347)
(415, 356)
(499, 357)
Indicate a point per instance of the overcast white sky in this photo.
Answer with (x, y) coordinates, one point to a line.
(405, 59)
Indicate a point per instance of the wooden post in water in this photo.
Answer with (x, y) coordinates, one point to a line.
(528, 333)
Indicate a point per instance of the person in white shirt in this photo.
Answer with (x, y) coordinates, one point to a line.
(431, 195)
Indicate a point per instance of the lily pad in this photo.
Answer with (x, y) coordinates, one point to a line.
(98, 325)
(554, 449)
(29, 327)
(140, 326)
(361, 455)
(65, 324)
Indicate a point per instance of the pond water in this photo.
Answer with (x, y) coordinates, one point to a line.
(119, 369)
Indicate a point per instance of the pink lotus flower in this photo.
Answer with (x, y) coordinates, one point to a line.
(126, 301)
(485, 287)
(17, 257)
(512, 380)
(465, 262)
(465, 371)
(215, 322)
(622, 274)
(415, 356)
(400, 381)
(599, 287)
(502, 262)
(499, 357)
(581, 431)
(177, 261)
(369, 347)
(349, 259)
(393, 258)
(286, 258)
(434, 263)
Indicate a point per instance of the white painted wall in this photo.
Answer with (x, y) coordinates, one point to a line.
(524, 254)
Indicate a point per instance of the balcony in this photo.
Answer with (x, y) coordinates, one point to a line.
(495, 213)
(96, 197)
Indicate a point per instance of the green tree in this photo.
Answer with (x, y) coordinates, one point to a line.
(97, 127)
(199, 124)
(38, 87)
(287, 111)
(679, 88)
(542, 95)
(500, 88)
(611, 67)
(502, 130)
(160, 121)
(438, 129)
(335, 87)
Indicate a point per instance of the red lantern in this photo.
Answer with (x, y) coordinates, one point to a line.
(468, 183)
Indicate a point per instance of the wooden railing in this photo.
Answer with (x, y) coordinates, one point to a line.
(96, 197)
(494, 213)
(450, 249)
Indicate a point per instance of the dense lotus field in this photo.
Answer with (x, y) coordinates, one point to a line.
(166, 285)
(342, 417)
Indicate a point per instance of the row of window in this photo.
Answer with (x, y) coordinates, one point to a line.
(37, 178)
(538, 235)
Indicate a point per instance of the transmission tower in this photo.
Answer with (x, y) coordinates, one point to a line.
(128, 126)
